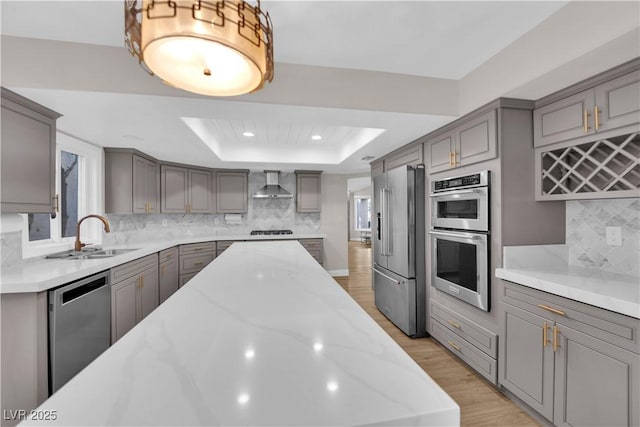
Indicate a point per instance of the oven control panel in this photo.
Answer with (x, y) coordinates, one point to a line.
(473, 180)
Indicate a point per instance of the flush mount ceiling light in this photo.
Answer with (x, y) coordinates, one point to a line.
(248, 134)
(217, 48)
(316, 137)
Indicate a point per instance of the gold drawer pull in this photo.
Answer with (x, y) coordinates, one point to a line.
(545, 338)
(551, 309)
(585, 121)
(198, 264)
(454, 346)
(454, 324)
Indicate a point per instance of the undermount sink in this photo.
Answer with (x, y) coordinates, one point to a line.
(90, 253)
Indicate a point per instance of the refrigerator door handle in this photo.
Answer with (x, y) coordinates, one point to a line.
(386, 218)
(397, 282)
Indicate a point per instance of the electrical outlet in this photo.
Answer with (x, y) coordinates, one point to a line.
(614, 236)
(164, 222)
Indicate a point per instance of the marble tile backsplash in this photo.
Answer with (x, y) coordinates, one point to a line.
(587, 221)
(262, 214)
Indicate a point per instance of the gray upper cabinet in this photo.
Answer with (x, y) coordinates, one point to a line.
(471, 141)
(411, 155)
(231, 191)
(186, 190)
(377, 168)
(131, 182)
(573, 363)
(28, 155)
(606, 107)
(308, 186)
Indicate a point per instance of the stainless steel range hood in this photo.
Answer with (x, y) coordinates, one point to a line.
(272, 190)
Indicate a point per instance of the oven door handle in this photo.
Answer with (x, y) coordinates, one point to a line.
(459, 235)
(448, 193)
(397, 282)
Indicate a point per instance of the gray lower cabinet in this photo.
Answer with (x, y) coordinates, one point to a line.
(223, 245)
(308, 186)
(471, 141)
(134, 294)
(472, 343)
(193, 258)
(28, 155)
(232, 191)
(314, 247)
(612, 105)
(574, 364)
(168, 280)
(131, 182)
(186, 190)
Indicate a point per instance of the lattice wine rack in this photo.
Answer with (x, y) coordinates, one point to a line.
(609, 167)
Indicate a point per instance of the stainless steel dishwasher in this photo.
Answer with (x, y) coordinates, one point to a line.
(79, 326)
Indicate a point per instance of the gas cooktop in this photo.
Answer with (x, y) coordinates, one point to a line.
(270, 232)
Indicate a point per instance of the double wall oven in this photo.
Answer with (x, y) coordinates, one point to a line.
(460, 243)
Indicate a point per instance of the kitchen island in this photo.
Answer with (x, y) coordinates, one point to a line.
(261, 336)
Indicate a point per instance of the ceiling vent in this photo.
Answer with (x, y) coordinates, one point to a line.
(272, 190)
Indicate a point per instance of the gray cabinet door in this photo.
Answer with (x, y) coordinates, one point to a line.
(200, 191)
(124, 312)
(475, 140)
(526, 362)
(596, 383)
(563, 120)
(28, 157)
(308, 193)
(140, 185)
(231, 192)
(174, 196)
(168, 279)
(619, 102)
(438, 151)
(152, 189)
(148, 293)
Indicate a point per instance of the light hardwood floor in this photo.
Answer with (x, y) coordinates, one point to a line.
(480, 403)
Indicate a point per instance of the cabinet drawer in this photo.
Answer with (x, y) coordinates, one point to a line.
(224, 244)
(475, 334)
(317, 255)
(168, 254)
(478, 360)
(133, 268)
(603, 324)
(311, 244)
(195, 262)
(195, 248)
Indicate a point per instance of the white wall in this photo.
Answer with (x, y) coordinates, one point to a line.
(334, 224)
(580, 40)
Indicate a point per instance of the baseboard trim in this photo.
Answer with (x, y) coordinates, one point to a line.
(339, 273)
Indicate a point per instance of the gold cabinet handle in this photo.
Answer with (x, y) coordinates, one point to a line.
(450, 159)
(455, 159)
(545, 337)
(198, 264)
(56, 203)
(596, 118)
(454, 324)
(552, 310)
(162, 269)
(585, 121)
(555, 338)
(454, 346)
(141, 282)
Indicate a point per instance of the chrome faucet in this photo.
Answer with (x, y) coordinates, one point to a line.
(79, 245)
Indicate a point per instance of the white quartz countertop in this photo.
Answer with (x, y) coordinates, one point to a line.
(545, 268)
(261, 336)
(42, 274)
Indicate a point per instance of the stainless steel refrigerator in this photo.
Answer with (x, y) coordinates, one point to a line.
(398, 248)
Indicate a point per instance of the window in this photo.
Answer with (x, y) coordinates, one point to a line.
(363, 213)
(78, 188)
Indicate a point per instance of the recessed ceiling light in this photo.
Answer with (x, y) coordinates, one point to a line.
(316, 137)
(248, 134)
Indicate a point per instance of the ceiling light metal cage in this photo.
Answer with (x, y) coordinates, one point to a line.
(217, 48)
